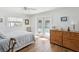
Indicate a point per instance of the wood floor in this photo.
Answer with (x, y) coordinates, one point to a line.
(43, 45)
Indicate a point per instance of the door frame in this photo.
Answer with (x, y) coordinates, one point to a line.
(43, 23)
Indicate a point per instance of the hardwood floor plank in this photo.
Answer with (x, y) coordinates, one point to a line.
(43, 45)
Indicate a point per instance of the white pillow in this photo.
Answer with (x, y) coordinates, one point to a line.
(2, 36)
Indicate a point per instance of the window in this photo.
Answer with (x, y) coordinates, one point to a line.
(15, 22)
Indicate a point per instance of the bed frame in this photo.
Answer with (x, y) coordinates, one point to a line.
(12, 43)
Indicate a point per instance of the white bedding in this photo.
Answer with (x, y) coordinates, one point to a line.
(23, 39)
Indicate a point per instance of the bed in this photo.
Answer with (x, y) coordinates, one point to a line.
(23, 39)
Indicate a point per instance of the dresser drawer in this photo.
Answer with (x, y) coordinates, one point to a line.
(74, 35)
(71, 44)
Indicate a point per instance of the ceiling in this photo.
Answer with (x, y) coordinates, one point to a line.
(28, 10)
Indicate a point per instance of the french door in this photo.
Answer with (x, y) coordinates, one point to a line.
(43, 26)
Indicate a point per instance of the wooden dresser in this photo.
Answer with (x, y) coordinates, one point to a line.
(65, 39)
(56, 37)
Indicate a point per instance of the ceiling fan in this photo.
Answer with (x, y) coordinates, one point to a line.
(28, 8)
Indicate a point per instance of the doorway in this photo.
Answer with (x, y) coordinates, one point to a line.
(44, 26)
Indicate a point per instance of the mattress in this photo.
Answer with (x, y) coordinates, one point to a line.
(23, 39)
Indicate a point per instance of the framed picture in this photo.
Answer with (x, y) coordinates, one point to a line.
(26, 21)
(63, 18)
(1, 19)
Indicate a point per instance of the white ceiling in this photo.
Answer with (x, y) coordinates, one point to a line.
(20, 10)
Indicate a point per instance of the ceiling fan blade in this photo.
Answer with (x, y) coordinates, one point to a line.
(26, 8)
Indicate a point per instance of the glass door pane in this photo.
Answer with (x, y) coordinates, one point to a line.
(47, 27)
(40, 26)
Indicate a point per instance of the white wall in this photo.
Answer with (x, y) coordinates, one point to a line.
(71, 12)
(4, 24)
(23, 27)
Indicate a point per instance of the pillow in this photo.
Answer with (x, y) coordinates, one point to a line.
(2, 36)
